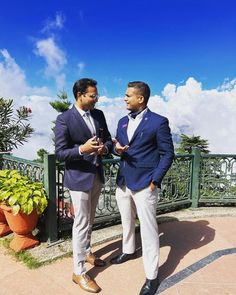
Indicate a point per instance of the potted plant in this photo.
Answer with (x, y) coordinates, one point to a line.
(4, 228)
(22, 202)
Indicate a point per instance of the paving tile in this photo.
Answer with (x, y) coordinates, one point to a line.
(222, 270)
(8, 265)
(186, 265)
(205, 289)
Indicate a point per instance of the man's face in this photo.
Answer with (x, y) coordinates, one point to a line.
(133, 99)
(87, 100)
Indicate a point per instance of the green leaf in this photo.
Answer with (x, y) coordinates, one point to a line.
(37, 193)
(12, 200)
(15, 209)
(30, 208)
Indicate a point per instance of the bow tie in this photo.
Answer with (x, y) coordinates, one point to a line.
(134, 114)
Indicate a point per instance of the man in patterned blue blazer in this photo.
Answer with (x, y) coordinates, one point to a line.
(144, 142)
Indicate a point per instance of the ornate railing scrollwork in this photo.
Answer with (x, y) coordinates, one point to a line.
(218, 178)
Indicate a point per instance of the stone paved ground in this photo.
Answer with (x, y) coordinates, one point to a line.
(194, 259)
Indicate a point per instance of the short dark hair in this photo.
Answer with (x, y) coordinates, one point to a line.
(82, 85)
(142, 87)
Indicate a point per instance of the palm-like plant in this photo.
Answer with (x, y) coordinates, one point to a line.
(188, 142)
(15, 129)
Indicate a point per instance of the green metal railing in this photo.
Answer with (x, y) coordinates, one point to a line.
(193, 180)
(217, 179)
(33, 170)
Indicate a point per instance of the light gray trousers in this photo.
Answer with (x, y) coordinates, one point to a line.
(143, 203)
(84, 204)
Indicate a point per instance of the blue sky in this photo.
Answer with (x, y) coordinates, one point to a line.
(161, 41)
(185, 50)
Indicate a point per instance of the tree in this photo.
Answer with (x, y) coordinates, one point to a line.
(41, 153)
(188, 142)
(14, 129)
(62, 104)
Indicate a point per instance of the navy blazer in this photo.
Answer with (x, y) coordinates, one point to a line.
(150, 152)
(70, 132)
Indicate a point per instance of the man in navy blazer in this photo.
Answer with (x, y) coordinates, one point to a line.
(81, 137)
(144, 142)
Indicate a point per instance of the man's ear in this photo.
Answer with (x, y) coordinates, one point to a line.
(78, 95)
(141, 99)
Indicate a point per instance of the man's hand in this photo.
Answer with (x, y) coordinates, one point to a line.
(102, 150)
(91, 146)
(118, 147)
(152, 186)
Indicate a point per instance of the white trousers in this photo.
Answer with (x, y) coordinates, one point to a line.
(84, 204)
(143, 203)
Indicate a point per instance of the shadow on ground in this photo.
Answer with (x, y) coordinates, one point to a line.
(180, 236)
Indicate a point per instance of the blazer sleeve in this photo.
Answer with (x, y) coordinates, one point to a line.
(166, 150)
(117, 137)
(105, 135)
(64, 148)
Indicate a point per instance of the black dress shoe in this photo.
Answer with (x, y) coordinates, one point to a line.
(122, 258)
(93, 260)
(150, 287)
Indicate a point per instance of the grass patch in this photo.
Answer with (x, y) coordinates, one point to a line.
(32, 263)
(5, 242)
(26, 257)
(23, 256)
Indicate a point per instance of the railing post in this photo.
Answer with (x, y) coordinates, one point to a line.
(50, 187)
(1, 158)
(195, 181)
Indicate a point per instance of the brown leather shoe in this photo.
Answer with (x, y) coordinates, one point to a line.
(86, 283)
(93, 260)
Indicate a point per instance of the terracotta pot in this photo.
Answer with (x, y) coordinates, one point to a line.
(4, 228)
(22, 226)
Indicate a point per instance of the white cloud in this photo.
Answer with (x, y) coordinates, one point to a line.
(57, 23)
(12, 78)
(227, 85)
(81, 67)
(190, 110)
(13, 85)
(13, 82)
(55, 59)
(114, 109)
(208, 113)
(41, 120)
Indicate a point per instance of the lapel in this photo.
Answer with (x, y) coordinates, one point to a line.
(145, 120)
(123, 130)
(79, 121)
(96, 121)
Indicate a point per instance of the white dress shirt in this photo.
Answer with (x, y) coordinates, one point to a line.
(88, 119)
(133, 123)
